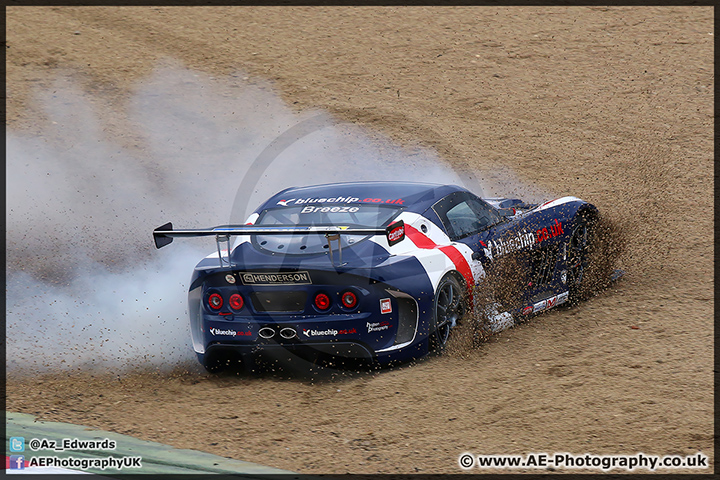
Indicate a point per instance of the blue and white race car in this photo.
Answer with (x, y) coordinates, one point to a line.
(378, 271)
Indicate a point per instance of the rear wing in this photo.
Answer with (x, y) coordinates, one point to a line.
(164, 234)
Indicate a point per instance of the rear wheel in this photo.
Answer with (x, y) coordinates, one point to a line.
(448, 308)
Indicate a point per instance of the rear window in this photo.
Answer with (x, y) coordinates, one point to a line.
(349, 214)
(368, 215)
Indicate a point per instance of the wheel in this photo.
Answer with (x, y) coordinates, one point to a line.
(578, 255)
(448, 308)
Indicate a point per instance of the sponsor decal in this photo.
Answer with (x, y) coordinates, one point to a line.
(563, 297)
(385, 305)
(395, 233)
(296, 278)
(311, 209)
(330, 332)
(377, 326)
(503, 246)
(555, 230)
(302, 201)
(229, 333)
(394, 201)
(551, 302)
(546, 304)
(319, 333)
(563, 276)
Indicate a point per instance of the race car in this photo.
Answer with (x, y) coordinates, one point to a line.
(378, 271)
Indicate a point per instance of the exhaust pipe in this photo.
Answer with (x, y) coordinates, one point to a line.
(287, 333)
(266, 332)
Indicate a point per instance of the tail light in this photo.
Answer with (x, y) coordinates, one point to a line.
(215, 301)
(349, 300)
(236, 301)
(322, 301)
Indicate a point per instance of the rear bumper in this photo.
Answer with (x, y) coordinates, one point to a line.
(380, 334)
(385, 323)
(337, 353)
(344, 350)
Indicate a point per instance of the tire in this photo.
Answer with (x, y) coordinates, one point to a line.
(448, 309)
(579, 247)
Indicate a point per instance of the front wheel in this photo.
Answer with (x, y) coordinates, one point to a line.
(578, 255)
(448, 308)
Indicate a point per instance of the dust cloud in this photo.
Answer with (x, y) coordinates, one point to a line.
(85, 286)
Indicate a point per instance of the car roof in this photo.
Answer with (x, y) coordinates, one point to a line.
(414, 196)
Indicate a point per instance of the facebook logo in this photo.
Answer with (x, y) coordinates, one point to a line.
(17, 462)
(17, 444)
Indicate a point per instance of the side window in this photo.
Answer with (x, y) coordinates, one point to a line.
(463, 214)
(486, 215)
(462, 220)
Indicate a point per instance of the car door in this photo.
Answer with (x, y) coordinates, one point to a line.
(466, 219)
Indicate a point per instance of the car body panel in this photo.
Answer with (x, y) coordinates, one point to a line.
(447, 231)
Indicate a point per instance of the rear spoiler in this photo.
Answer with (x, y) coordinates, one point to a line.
(164, 234)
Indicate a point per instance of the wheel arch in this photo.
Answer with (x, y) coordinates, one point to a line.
(437, 341)
(589, 211)
(589, 215)
(458, 276)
